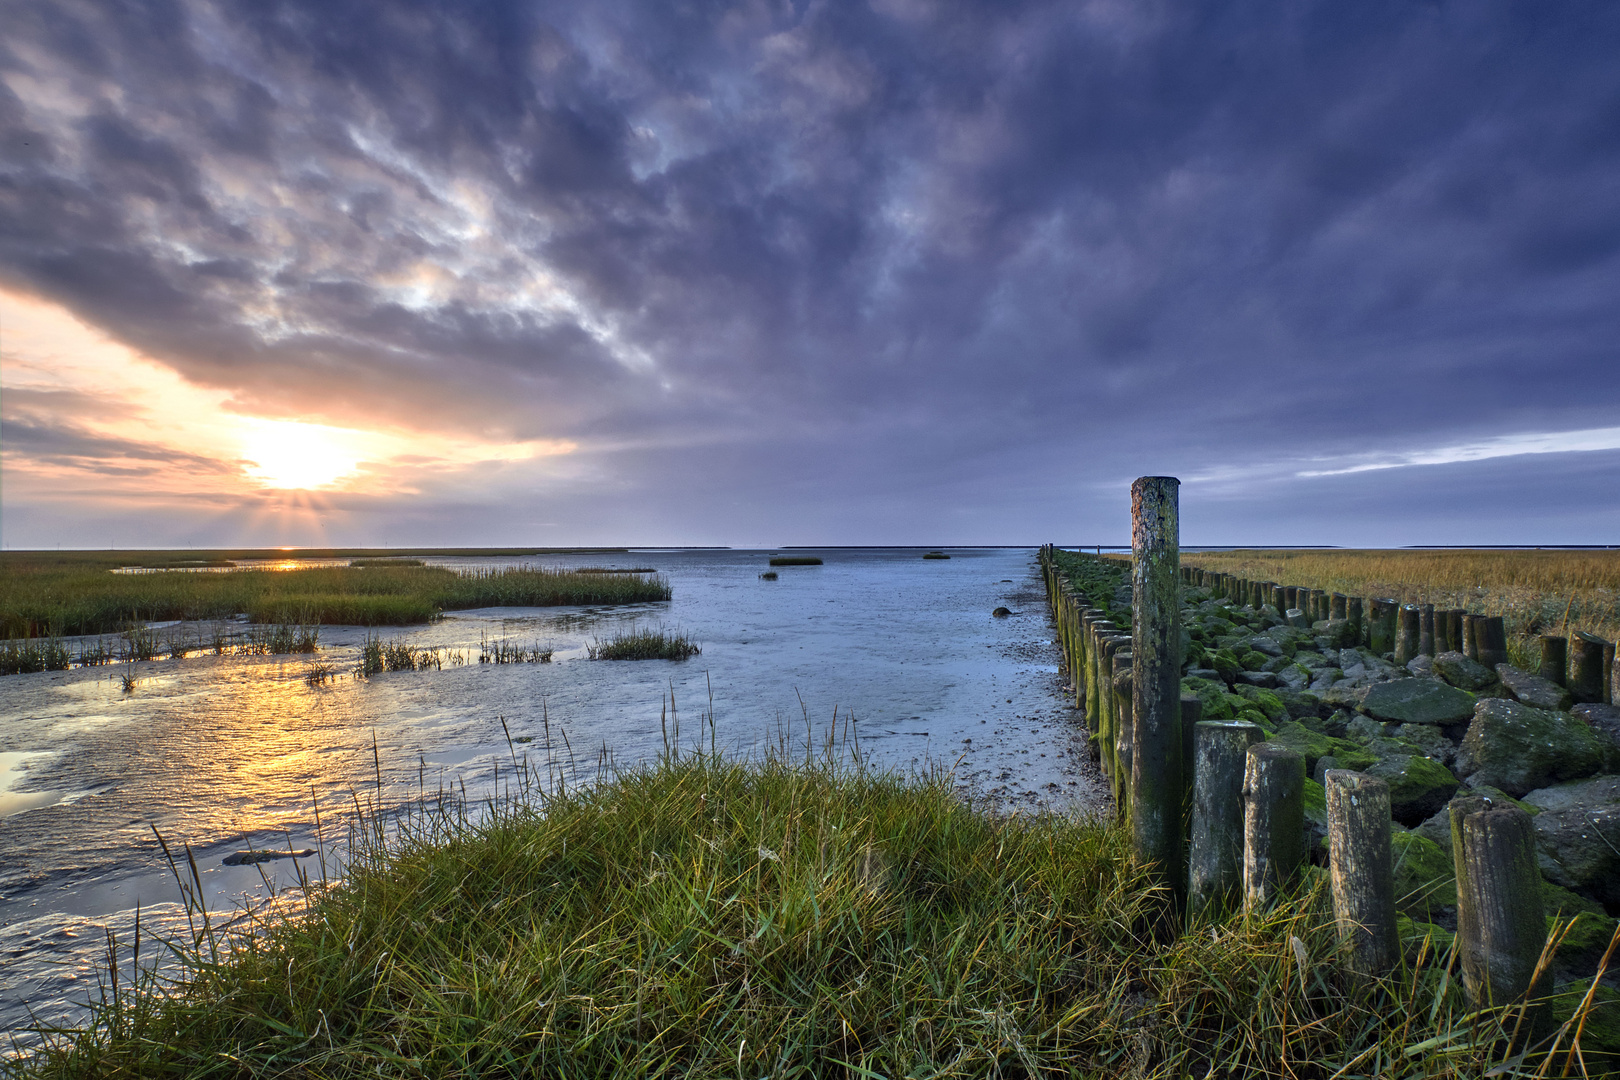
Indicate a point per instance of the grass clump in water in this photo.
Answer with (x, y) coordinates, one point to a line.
(386, 562)
(795, 560)
(703, 917)
(638, 644)
(936, 555)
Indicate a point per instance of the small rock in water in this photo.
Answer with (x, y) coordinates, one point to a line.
(1001, 612)
(248, 858)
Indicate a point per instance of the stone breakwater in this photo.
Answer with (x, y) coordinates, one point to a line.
(1338, 689)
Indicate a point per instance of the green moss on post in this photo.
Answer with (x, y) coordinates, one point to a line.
(1215, 851)
(1155, 779)
(1273, 821)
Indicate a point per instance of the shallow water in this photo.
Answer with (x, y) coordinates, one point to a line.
(224, 753)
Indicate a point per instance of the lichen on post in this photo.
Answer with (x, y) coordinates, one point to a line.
(1155, 778)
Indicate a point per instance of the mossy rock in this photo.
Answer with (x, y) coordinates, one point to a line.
(1266, 701)
(1226, 663)
(1412, 933)
(1418, 787)
(1425, 877)
(1313, 745)
(1212, 695)
(1578, 954)
(1600, 1034)
(1250, 715)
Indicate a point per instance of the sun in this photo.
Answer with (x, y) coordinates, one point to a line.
(291, 454)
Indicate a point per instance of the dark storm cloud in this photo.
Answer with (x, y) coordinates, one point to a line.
(910, 240)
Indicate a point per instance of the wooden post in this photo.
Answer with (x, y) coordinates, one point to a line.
(1273, 821)
(1609, 693)
(1454, 630)
(1362, 870)
(1470, 639)
(1215, 853)
(1614, 681)
(1491, 635)
(1508, 927)
(1192, 714)
(1357, 617)
(1459, 808)
(1123, 733)
(1156, 788)
(1382, 630)
(1586, 674)
(1340, 607)
(1409, 635)
(1426, 629)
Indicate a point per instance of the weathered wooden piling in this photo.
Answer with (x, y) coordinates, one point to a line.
(1586, 672)
(1215, 851)
(1491, 637)
(1454, 631)
(1507, 927)
(1426, 629)
(1381, 628)
(1290, 597)
(1458, 809)
(1361, 869)
(1554, 658)
(1609, 694)
(1123, 733)
(1408, 634)
(1340, 606)
(1156, 787)
(1470, 637)
(1192, 713)
(1357, 617)
(1273, 821)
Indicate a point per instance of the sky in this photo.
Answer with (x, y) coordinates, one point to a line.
(330, 273)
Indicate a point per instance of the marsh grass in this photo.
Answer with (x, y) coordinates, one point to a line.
(506, 651)
(936, 555)
(795, 560)
(43, 598)
(791, 915)
(640, 644)
(386, 562)
(615, 570)
(1537, 592)
(33, 654)
(769, 575)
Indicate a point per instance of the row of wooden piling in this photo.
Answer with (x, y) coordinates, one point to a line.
(1218, 813)
(1585, 664)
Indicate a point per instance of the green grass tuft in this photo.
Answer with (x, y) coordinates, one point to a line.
(795, 560)
(637, 644)
(704, 917)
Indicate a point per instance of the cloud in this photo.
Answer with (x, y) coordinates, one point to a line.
(931, 248)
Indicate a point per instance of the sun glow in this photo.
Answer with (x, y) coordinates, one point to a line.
(290, 454)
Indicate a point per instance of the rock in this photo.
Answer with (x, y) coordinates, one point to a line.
(1600, 1031)
(1519, 749)
(1266, 679)
(1223, 661)
(1578, 837)
(1365, 729)
(1604, 719)
(1336, 633)
(248, 858)
(1001, 612)
(1533, 690)
(1429, 739)
(1463, 673)
(1261, 643)
(1418, 701)
(1313, 746)
(1437, 828)
(1598, 791)
(1584, 942)
(1342, 696)
(1297, 618)
(1422, 666)
(1294, 677)
(1418, 787)
(1425, 877)
(1268, 703)
(1203, 673)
